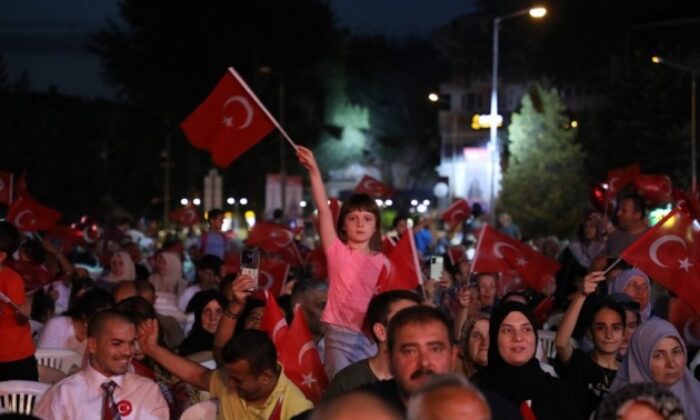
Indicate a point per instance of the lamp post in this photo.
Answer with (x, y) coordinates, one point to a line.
(280, 108)
(693, 114)
(535, 12)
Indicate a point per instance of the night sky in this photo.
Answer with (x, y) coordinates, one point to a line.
(46, 37)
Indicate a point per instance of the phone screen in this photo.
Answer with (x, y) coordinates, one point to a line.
(436, 267)
(250, 262)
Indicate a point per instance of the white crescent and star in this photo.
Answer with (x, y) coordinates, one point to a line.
(371, 185)
(613, 180)
(21, 215)
(453, 217)
(308, 379)
(285, 235)
(269, 280)
(497, 248)
(228, 120)
(282, 323)
(654, 249)
(309, 345)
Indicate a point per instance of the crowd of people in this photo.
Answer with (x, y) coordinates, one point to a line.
(160, 332)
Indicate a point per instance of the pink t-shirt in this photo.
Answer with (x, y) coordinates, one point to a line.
(352, 281)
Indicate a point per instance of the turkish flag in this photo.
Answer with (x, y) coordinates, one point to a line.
(388, 244)
(619, 178)
(334, 205)
(34, 275)
(275, 238)
(456, 254)
(373, 187)
(670, 254)
(272, 275)
(656, 188)
(301, 360)
(187, 215)
(273, 322)
(6, 187)
(497, 252)
(28, 215)
(458, 212)
(277, 411)
(401, 269)
(229, 122)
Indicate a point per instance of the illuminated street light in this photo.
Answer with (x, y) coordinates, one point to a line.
(414, 202)
(535, 12)
(379, 202)
(426, 202)
(693, 122)
(302, 204)
(231, 200)
(422, 208)
(388, 203)
(184, 201)
(243, 201)
(196, 201)
(574, 124)
(433, 97)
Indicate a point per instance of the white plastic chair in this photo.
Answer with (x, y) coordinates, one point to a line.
(21, 396)
(67, 361)
(204, 410)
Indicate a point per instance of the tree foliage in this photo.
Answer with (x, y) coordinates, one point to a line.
(543, 187)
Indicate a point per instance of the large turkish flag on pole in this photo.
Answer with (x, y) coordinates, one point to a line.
(373, 187)
(497, 252)
(670, 254)
(273, 322)
(458, 212)
(28, 215)
(230, 121)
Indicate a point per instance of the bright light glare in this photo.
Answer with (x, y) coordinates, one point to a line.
(538, 12)
(414, 202)
(302, 204)
(379, 202)
(422, 208)
(243, 201)
(433, 97)
(426, 202)
(656, 59)
(184, 201)
(196, 201)
(231, 200)
(388, 203)
(574, 124)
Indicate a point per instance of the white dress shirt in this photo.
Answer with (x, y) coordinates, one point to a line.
(79, 396)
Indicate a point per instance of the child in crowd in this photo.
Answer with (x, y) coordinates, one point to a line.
(354, 265)
(17, 359)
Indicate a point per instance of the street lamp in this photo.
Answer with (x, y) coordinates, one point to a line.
(537, 13)
(693, 126)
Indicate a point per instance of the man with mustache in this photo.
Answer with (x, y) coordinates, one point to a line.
(104, 389)
(421, 345)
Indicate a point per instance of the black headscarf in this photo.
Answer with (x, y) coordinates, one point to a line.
(550, 398)
(198, 339)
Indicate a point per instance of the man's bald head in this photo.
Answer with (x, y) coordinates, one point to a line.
(355, 405)
(448, 397)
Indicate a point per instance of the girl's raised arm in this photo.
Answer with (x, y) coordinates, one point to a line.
(325, 217)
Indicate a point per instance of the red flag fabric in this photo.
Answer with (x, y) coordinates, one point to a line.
(619, 178)
(388, 244)
(402, 268)
(273, 322)
(276, 238)
(272, 275)
(456, 254)
(457, 213)
(335, 205)
(28, 215)
(277, 411)
(229, 122)
(497, 252)
(655, 188)
(373, 187)
(64, 238)
(6, 187)
(34, 275)
(301, 360)
(317, 264)
(21, 187)
(187, 215)
(670, 254)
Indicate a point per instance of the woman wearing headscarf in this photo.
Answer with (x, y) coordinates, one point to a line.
(208, 307)
(475, 345)
(513, 370)
(168, 275)
(636, 285)
(658, 354)
(121, 267)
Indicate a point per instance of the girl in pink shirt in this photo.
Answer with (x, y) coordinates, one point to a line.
(354, 264)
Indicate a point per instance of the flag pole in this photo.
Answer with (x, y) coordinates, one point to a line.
(610, 268)
(245, 86)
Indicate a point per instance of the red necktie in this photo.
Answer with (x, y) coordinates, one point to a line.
(109, 408)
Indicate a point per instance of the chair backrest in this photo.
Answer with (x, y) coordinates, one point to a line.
(204, 410)
(547, 342)
(21, 396)
(67, 361)
(49, 375)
